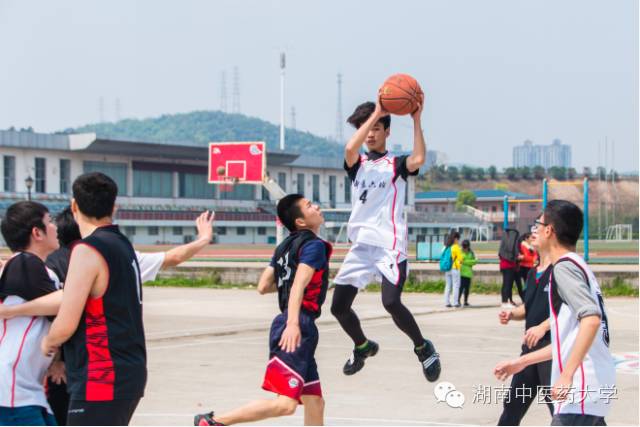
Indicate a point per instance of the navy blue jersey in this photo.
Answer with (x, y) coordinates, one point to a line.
(302, 247)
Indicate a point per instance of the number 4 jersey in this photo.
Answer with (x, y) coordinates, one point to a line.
(379, 187)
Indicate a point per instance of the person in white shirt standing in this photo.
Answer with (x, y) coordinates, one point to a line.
(378, 232)
(582, 368)
(31, 235)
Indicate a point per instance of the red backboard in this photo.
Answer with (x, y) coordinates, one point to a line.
(244, 161)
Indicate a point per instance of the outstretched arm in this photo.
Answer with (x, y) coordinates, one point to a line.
(179, 254)
(47, 305)
(419, 153)
(352, 150)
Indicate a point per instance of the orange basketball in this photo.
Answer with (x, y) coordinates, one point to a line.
(400, 94)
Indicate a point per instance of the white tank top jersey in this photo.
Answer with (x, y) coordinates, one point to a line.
(378, 197)
(595, 379)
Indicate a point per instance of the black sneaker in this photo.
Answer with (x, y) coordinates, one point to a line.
(206, 420)
(356, 361)
(430, 361)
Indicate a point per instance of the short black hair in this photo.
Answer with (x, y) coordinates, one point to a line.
(289, 210)
(566, 219)
(19, 221)
(95, 193)
(68, 230)
(362, 113)
(466, 244)
(453, 235)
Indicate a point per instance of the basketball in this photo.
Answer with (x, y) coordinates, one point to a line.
(220, 170)
(400, 94)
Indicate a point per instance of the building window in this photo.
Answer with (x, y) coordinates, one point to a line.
(154, 231)
(282, 180)
(65, 176)
(195, 186)
(221, 231)
(300, 183)
(41, 175)
(444, 209)
(177, 231)
(241, 231)
(9, 173)
(130, 231)
(116, 171)
(262, 231)
(265, 194)
(152, 183)
(239, 192)
(316, 188)
(494, 209)
(332, 191)
(347, 189)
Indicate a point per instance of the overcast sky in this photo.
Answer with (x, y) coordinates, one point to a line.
(495, 72)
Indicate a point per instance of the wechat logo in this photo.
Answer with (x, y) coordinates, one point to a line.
(446, 392)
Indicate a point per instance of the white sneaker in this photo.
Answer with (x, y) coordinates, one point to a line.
(508, 306)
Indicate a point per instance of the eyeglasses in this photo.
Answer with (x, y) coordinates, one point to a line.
(536, 224)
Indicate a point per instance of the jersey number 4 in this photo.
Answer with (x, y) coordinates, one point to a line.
(363, 196)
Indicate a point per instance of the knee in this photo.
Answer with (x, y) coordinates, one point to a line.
(391, 304)
(314, 403)
(338, 310)
(286, 406)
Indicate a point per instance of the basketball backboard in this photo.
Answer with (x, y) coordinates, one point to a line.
(242, 162)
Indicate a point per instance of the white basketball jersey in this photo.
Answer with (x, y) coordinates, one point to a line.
(595, 379)
(377, 214)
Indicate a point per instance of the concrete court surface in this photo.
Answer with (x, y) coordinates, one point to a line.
(207, 349)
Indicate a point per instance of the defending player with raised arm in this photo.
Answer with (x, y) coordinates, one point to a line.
(299, 271)
(378, 231)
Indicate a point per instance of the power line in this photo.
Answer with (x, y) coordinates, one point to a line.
(339, 125)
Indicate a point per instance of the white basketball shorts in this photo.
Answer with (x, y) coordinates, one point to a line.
(365, 264)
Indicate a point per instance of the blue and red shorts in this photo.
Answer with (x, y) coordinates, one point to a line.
(293, 374)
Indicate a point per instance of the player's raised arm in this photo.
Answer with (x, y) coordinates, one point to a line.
(352, 149)
(180, 254)
(419, 153)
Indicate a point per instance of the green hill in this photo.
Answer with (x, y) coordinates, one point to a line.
(206, 126)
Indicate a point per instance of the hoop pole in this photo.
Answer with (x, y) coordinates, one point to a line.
(585, 213)
(544, 193)
(505, 207)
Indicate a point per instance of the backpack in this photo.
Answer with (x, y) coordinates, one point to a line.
(509, 247)
(445, 260)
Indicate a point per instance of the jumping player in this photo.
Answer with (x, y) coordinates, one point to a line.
(299, 271)
(378, 232)
(581, 365)
(100, 317)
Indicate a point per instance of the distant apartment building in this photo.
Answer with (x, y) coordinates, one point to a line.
(547, 156)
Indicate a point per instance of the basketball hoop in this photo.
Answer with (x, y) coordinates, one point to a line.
(228, 182)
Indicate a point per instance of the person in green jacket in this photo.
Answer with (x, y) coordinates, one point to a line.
(466, 271)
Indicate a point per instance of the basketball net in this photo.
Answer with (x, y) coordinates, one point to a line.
(229, 182)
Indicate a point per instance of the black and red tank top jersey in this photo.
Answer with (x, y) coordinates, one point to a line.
(106, 356)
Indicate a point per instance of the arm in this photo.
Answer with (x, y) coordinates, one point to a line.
(517, 313)
(419, 153)
(47, 305)
(180, 254)
(291, 337)
(505, 369)
(535, 333)
(84, 268)
(267, 282)
(587, 331)
(352, 149)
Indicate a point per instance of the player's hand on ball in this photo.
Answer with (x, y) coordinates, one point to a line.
(418, 113)
(533, 335)
(380, 111)
(504, 317)
(291, 338)
(204, 225)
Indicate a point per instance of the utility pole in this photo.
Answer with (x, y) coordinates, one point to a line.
(223, 92)
(235, 101)
(339, 126)
(282, 68)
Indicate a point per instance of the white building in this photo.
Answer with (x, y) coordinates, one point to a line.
(163, 185)
(530, 155)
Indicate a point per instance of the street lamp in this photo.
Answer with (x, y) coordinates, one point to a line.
(29, 183)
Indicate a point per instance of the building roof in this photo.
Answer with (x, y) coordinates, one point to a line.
(480, 195)
(185, 150)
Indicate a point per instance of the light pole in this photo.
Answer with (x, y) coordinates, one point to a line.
(282, 68)
(29, 183)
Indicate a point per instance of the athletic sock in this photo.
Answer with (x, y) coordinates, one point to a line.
(363, 346)
(420, 347)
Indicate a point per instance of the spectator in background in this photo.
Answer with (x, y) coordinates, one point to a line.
(452, 277)
(466, 271)
(509, 270)
(528, 257)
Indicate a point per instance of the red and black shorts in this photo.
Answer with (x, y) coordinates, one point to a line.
(293, 374)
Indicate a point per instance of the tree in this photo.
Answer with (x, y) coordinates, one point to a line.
(525, 172)
(511, 174)
(467, 173)
(493, 172)
(465, 198)
(602, 173)
(452, 173)
(558, 173)
(538, 172)
(480, 173)
(586, 172)
(571, 173)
